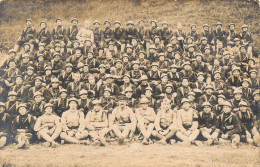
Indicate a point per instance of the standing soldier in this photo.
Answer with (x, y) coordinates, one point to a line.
(151, 33)
(229, 125)
(141, 33)
(194, 34)
(231, 34)
(43, 36)
(98, 37)
(108, 34)
(130, 32)
(208, 34)
(72, 33)
(58, 35)
(219, 34)
(166, 33)
(118, 36)
(28, 36)
(123, 120)
(145, 120)
(246, 39)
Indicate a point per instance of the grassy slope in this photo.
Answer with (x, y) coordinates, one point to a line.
(14, 13)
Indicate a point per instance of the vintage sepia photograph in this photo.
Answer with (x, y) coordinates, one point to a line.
(129, 83)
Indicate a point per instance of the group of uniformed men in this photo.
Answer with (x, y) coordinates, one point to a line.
(89, 85)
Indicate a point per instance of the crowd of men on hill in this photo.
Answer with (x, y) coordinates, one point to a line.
(157, 84)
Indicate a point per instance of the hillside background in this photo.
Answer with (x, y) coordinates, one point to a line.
(14, 13)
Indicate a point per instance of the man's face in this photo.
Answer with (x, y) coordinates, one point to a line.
(122, 103)
(18, 80)
(43, 25)
(168, 90)
(63, 95)
(102, 70)
(22, 110)
(136, 67)
(165, 26)
(47, 72)
(148, 93)
(154, 68)
(76, 77)
(74, 22)
(226, 109)
(38, 99)
(174, 70)
(125, 59)
(144, 106)
(186, 105)
(55, 85)
(26, 59)
(29, 23)
(96, 25)
(198, 58)
(253, 74)
(232, 27)
(191, 49)
(207, 109)
(40, 59)
(129, 94)
(58, 22)
(107, 25)
(57, 58)
(221, 100)
(191, 97)
(238, 96)
(245, 84)
(204, 42)
(126, 79)
(165, 79)
(245, 29)
(38, 82)
(109, 80)
(217, 76)
(69, 69)
(48, 110)
(236, 73)
(257, 97)
(200, 78)
(86, 69)
(152, 50)
(169, 49)
(219, 26)
(107, 94)
(2, 109)
(193, 28)
(91, 80)
(206, 28)
(243, 108)
(130, 26)
(11, 98)
(185, 82)
(73, 105)
(129, 50)
(118, 65)
(117, 25)
(153, 24)
(187, 67)
(209, 91)
(90, 55)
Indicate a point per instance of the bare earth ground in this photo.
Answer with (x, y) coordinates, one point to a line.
(131, 155)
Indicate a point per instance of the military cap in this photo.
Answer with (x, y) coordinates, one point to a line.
(128, 89)
(237, 91)
(37, 94)
(236, 39)
(227, 103)
(152, 47)
(76, 41)
(199, 54)
(207, 47)
(156, 36)
(125, 55)
(58, 20)
(256, 92)
(73, 99)
(21, 105)
(85, 65)
(246, 80)
(206, 104)
(217, 72)
(173, 38)
(63, 90)
(40, 55)
(80, 65)
(242, 46)
(164, 75)
(226, 53)
(153, 21)
(204, 38)
(126, 75)
(41, 44)
(184, 100)
(219, 23)
(235, 68)
(43, 22)
(169, 45)
(83, 92)
(177, 52)
(191, 93)
(205, 25)
(96, 22)
(144, 100)
(12, 51)
(27, 45)
(164, 22)
(190, 37)
(129, 46)
(242, 103)
(68, 65)
(2, 104)
(48, 105)
(107, 89)
(107, 21)
(30, 68)
(12, 93)
(251, 59)
(186, 63)
(55, 80)
(87, 39)
(155, 64)
(209, 87)
(200, 73)
(144, 77)
(169, 85)
(253, 70)
(149, 88)
(74, 19)
(102, 66)
(117, 22)
(56, 54)
(130, 22)
(193, 25)
(173, 66)
(161, 54)
(38, 78)
(244, 26)
(48, 68)
(121, 97)
(19, 76)
(231, 24)
(108, 76)
(25, 55)
(141, 51)
(221, 96)
(190, 45)
(96, 102)
(135, 62)
(28, 19)
(141, 20)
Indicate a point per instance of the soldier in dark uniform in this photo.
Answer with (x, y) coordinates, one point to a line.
(56, 64)
(166, 34)
(44, 35)
(37, 105)
(61, 103)
(72, 33)
(151, 33)
(108, 34)
(141, 33)
(208, 96)
(193, 33)
(58, 35)
(5, 126)
(118, 36)
(246, 39)
(231, 34)
(107, 101)
(66, 75)
(208, 34)
(28, 36)
(98, 37)
(220, 34)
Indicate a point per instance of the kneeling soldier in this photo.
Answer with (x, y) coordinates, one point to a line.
(247, 121)
(97, 124)
(48, 126)
(229, 125)
(187, 119)
(165, 123)
(22, 126)
(123, 120)
(73, 124)
(208, 123)
(145, 120)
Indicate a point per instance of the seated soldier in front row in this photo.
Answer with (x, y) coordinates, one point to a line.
(48, 126)
(123, 120)
(22, 127)
(73, 124)
(145, 120)
(97, 124)
(165, 123)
